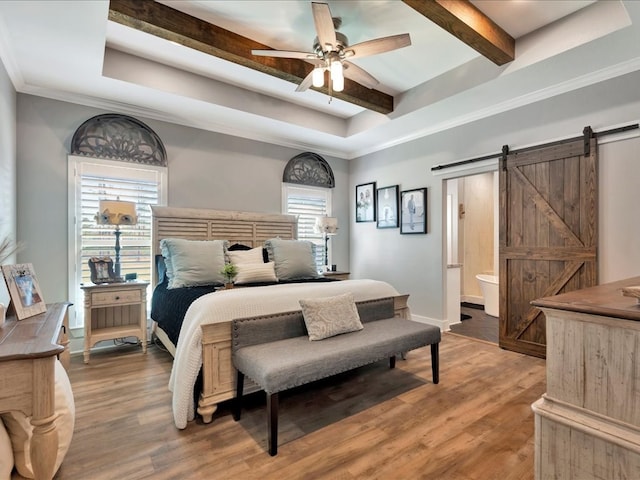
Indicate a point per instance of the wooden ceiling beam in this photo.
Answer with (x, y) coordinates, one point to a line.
(165, 22)
(464, 21)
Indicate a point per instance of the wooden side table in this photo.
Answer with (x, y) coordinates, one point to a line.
(337, 275)
(28, 350)
(114, 310)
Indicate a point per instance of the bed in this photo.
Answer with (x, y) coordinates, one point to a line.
(204, 334)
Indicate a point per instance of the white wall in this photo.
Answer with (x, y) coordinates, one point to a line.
(7, 165)
(205, 170)
(619, 210)
(414, 264)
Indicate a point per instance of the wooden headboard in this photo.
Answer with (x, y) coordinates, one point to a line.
(247, 228)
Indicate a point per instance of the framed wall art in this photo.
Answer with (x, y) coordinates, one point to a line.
(387, 207)
(102, 270)
(24, 290)
(366, 202)
(413, 218)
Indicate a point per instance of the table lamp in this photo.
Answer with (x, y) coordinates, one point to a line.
(328, 226)
(117, 212)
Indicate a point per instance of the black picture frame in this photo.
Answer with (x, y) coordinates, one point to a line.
(413, 216)
(387, 207)
(102, 270)
(366, 202)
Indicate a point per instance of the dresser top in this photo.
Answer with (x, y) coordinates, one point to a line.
(114, 285)
(606, 300)
(32, 337)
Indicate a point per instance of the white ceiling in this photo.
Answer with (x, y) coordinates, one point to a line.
(68, 50)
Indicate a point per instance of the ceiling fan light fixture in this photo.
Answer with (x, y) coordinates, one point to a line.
(337, 76)
(318, 77)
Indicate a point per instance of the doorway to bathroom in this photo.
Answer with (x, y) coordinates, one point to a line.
(472, 255)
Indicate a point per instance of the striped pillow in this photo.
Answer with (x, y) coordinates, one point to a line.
(255, 273)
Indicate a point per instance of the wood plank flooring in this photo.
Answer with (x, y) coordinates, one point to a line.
(372, 423)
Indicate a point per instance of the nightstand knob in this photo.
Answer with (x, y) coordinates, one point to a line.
(118, 298)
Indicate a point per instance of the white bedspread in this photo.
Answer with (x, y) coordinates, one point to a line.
(224, 306)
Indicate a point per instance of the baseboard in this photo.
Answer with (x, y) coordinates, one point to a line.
(472, 299)
(442, 324)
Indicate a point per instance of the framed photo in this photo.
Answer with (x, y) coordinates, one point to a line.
(387, 207)
(24, 290)
(366, 202)
(102, 270)
(414, 211)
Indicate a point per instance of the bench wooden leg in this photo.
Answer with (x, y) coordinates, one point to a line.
(435, 362)
(392, 362)
(237, 404)
(272, 423)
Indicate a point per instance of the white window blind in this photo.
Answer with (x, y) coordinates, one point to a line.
(308, 203)
(93, 181)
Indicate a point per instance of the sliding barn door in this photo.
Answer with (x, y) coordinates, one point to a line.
(548, 235)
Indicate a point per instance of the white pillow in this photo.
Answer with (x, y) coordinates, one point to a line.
(239, 257)
(20, 430)
(294, 259)
(6, 454)
(193, 262)
(329, 316)
(255, 272)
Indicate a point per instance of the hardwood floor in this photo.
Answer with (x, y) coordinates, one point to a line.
(476, 424)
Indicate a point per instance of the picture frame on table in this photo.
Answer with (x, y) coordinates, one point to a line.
(366, 202)
(387, 207)
(413, 217)
(24, 290)
(102, 270)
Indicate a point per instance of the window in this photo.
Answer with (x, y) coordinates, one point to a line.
(92, 180)
(308, 203)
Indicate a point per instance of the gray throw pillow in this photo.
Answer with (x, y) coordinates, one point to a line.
(294, 259)
(193, 262)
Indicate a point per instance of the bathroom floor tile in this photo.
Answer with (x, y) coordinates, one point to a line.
(479, 325)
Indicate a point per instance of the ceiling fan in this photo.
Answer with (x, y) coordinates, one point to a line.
(331, 52)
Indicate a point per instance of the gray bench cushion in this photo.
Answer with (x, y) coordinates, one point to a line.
(283, 364)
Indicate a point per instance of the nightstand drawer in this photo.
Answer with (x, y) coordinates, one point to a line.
(115, 297)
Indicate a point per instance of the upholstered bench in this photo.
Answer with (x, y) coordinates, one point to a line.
(275, 351)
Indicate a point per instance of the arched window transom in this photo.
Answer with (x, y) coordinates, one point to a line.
(309, 169)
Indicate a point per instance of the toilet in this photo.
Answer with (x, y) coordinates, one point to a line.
(490, 292)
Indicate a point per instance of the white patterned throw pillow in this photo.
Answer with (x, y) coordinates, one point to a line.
(329, 316)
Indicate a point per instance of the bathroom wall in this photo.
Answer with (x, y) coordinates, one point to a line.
(477, 232)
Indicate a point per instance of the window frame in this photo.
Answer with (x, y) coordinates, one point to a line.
(327, 194)
(75, 164)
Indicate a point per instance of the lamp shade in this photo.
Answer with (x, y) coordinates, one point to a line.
(116, 212)
(328, 225)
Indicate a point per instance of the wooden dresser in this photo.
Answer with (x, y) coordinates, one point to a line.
(587, 424)
(28, 350)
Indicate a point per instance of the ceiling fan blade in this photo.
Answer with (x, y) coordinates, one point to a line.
(324, 26)
(357, 74)
(283, 54)
(378, 45)
(306, 83)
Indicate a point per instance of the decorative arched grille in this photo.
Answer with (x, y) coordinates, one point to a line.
(119, 137)
(309, 169)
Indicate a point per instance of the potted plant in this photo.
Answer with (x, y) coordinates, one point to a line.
(229, 271)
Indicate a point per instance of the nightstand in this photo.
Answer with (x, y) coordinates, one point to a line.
(337, 275)
(114, 310)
